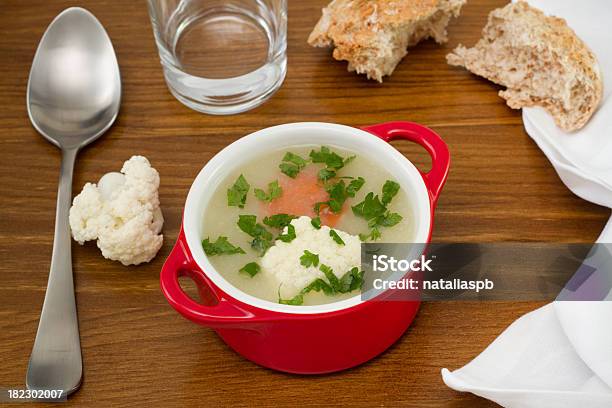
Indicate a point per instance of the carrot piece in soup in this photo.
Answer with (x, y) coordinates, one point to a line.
(300, 195)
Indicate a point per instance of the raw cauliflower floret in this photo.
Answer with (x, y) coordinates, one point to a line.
(122, 213)
(283, 259)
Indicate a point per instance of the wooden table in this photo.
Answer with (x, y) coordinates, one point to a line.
(136, 349)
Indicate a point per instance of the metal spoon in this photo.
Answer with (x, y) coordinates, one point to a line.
(73, 97)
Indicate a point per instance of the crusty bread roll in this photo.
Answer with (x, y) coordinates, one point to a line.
(373, 35)
(540, 61)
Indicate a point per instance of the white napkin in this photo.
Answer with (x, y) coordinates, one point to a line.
(561, 354)
(554, 357)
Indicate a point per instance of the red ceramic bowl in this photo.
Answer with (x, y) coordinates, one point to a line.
(303, 339)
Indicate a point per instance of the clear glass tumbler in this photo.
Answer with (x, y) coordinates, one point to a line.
(221, 56)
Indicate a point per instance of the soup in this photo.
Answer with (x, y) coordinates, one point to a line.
(281, 226)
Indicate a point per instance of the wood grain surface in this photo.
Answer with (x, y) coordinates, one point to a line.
(136, 349)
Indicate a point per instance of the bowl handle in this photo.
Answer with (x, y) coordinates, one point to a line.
(218, 312)
(428, 139)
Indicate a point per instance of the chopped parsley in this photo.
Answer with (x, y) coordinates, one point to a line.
(336, 237)
(249, 224)
(289, 235)
(339, 192)
(390, 219)
(369, 208)
(297, 300)
(331, 276)
(354, 186)
(350, 281)
(326, 174)
(316, 222)
(332, 160)
(274, 191)
(389, 190)
(237, 194)
(292, 164)
(337, 197)
(375, 211)
(262, 238)
(279, 220)
(221, 246)
(317, 285)
(372, 235)
(309, 259)
(252, 268)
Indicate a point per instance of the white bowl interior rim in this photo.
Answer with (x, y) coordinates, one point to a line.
(285, 136)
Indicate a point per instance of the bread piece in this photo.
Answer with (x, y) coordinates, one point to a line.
(373, 35)
(540, 61)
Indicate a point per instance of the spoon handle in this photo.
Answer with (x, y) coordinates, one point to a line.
(55, 362)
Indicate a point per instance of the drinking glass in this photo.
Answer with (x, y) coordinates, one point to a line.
(221, 56)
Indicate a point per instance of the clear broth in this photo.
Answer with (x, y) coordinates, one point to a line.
(220, 219)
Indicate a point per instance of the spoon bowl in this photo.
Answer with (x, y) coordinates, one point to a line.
(73, 97)
(74, 90)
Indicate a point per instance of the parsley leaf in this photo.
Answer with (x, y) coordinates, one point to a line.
(237, 194)
(295, 159)
(261, 245)
(336, 237)
(279, 220)
(275, 191)
(351, 280)
(320, 285)
(221, 246)
(317, 285)
(316, 222)
(354, 186)
(375, 211)
(389, 190)
(292, 164)
(289, 236)
(373, 235)
(337, 197)
(252, 268)
(370, 207)
(326, 174)
(331, 276)
(297, 300)
(390, 219)
(289, 169)
(332, 160)
(309, 259)
(249, 224)
(262, 238)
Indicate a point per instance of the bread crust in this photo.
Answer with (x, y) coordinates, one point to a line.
(540, 60)
(373, 35)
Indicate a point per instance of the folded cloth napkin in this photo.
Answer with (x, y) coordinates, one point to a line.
(561, 354)
(558, 356)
